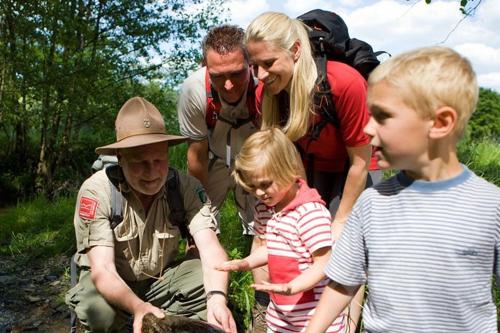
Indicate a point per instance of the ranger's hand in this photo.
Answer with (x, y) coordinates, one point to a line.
(141, 310)
(218, 314)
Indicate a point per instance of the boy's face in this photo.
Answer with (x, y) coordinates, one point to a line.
(399, 135)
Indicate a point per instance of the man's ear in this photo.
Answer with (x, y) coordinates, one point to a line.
(296, 50)
(445, 121)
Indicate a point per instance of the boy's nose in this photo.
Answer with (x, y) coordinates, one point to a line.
(369, 127)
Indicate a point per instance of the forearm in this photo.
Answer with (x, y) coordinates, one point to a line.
(355, 308)
(112, 287)
(311, 276)
(258, 257)
(212, 255)
(331, 304)
(355, 181)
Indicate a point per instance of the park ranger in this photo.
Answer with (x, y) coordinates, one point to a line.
(129, 267)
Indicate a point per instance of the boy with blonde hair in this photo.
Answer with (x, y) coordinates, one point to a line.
(426, 241)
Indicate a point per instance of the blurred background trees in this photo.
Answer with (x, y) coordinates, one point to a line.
(67, 66)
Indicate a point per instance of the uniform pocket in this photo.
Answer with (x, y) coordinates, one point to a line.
(127, 240)
(165, 247)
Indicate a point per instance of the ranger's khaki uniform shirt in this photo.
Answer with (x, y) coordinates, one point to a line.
(143, 244)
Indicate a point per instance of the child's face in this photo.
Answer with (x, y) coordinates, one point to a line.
(270, 192)
(399, 134)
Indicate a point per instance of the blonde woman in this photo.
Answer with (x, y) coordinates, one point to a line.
(337, 161)
(291, 220)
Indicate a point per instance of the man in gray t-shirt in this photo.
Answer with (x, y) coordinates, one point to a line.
(216, 111)
(213, 112)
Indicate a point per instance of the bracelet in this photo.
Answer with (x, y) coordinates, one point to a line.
(216, 292)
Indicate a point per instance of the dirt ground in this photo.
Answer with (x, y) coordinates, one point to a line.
(32, 294)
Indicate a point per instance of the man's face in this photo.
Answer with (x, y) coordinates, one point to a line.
(145, 167)
(229, 74)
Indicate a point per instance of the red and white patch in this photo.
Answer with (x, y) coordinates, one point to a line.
(88, 207)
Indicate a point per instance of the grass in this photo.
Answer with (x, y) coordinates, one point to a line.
(38, 228)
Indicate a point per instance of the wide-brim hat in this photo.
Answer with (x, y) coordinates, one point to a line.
(139, 123)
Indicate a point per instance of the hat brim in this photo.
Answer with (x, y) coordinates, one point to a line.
(140, 140)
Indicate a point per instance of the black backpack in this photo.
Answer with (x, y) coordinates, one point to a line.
(330, 40)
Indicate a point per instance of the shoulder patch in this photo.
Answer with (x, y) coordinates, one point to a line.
(88, 207)
(202, 195)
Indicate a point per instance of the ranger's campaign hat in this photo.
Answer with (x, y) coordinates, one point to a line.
(139, 123)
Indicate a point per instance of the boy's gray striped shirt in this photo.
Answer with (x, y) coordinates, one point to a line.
(427, 251)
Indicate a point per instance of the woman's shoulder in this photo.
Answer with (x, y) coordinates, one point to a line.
(339, 71)
(344, 79)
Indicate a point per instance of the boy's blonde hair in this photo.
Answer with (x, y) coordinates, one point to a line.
(429, 78)
(282, 32)
(270, 153)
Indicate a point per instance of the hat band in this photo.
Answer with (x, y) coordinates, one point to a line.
(138, 132)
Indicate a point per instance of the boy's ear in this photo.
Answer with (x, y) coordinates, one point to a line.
(445, 120)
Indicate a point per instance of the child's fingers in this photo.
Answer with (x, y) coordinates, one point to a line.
(227, 266)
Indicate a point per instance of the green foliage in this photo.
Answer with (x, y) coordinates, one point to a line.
(240, 293)
(483, 157)
(66, 67)
(485, 121)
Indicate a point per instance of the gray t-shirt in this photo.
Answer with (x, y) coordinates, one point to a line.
(427, 251)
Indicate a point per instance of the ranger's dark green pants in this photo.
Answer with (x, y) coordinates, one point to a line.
(180, 292)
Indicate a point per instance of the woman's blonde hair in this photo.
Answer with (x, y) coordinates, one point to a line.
(429, 78)
(283, 32)
(271, 153)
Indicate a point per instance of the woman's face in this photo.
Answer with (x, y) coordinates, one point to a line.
(272, 65)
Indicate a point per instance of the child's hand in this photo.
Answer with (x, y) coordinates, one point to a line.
(234, 265)
(278, 288)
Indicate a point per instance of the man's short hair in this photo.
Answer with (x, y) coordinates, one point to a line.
(224, 39)
(429, 78)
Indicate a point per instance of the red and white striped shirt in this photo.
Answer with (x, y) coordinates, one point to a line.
(292, 236)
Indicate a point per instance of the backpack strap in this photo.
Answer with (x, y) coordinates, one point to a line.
(213, 103)
(323, 99)
(176, 204)
(177, 216)
(115, 176)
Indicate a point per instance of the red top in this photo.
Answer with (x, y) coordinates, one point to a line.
(349, 94)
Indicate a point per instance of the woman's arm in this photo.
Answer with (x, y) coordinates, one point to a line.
(359, 158)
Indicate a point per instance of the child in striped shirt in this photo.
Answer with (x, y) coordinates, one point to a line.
(292, 227)
(426, 241)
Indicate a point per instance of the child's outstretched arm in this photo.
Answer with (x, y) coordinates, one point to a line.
(256, 259)
(307, 280)
(333, 301)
